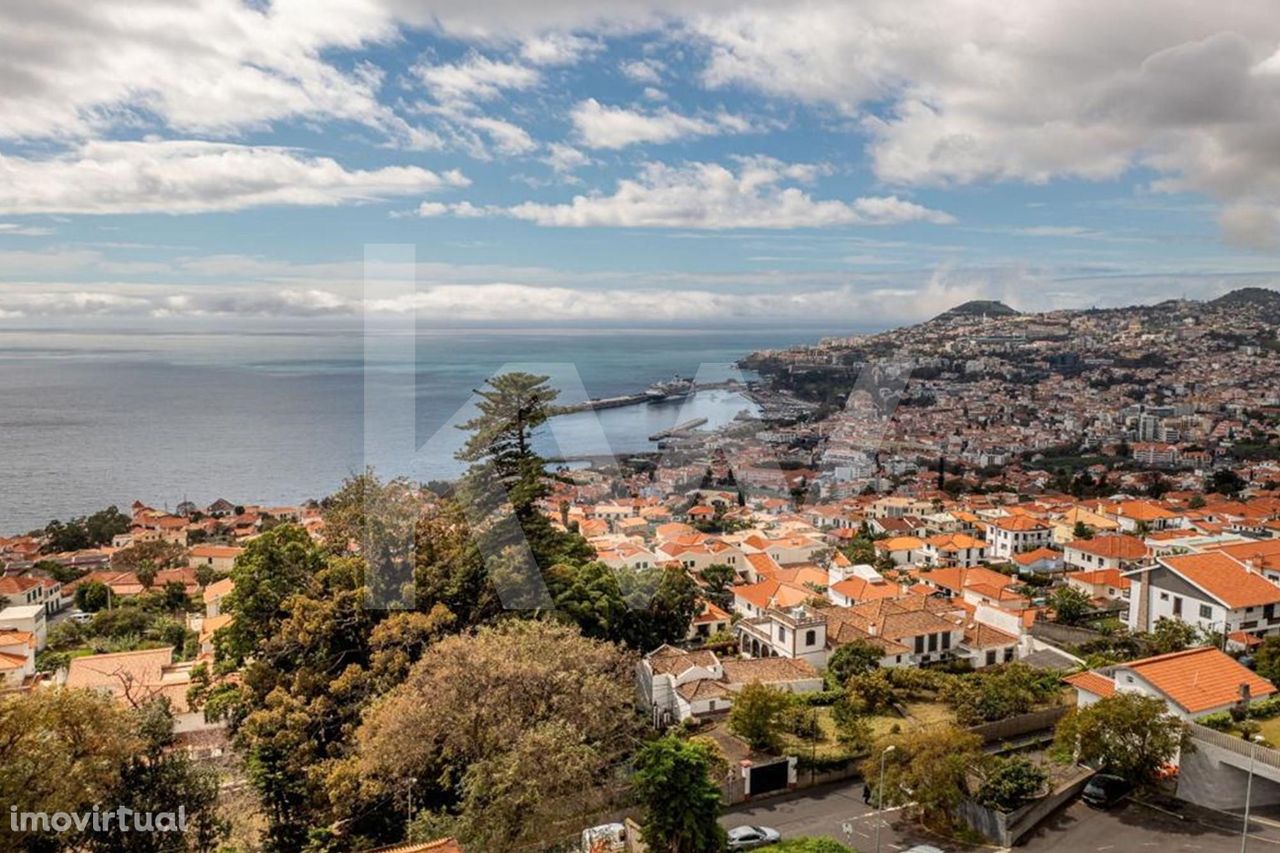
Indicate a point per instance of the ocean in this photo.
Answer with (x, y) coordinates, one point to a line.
(90, 419)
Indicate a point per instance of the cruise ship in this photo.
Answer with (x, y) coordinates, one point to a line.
(676, 388)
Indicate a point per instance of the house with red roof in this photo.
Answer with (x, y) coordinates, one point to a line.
(1013, 534)
(1105, 552)
(1212, 591)
(1193, 683)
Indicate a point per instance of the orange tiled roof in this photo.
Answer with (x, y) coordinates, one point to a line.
(1200, 679)
(1225, 578)
(1092, 682)
(1099, 577)
(1117, 547)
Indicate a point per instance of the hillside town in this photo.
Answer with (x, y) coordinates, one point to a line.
(869, 593)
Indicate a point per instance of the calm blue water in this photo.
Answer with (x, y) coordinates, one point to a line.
(90, 419)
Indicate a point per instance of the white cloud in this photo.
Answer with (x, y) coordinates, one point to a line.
(508, 138)
(984, 90)
(711, 196)
(208, 66)
(477, 78)
(565, 158)
(601, 126)
(194, 177)
(643, 71)
(558, 48)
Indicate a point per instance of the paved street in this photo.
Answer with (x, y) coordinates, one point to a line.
(834, 812)
(838, 812)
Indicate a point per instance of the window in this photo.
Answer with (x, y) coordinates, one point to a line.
(1008, 654)
(1164, 596)
(946, 641)
(810, 637)
(1177, 605)
(920, 644)
(933, 642)
(991, 657)
(1206, 612)
(782, 633)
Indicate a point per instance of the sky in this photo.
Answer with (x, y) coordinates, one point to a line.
(166, 163)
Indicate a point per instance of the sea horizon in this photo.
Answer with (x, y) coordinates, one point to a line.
(107, 416)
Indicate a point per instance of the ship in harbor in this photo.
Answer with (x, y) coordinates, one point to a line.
(675, 388)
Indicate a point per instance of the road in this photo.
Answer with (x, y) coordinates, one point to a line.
(838, 812)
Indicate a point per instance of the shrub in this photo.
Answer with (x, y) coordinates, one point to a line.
(1013, 782)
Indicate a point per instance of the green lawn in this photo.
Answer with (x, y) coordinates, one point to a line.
(830, 748)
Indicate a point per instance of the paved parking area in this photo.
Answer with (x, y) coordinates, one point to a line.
(838, 812)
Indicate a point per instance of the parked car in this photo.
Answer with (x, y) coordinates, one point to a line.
(81, 617)
(1105, 790)
(923, 848)
(751, 837)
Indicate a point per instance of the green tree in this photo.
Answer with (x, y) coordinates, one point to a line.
(64, 750)
(1170, 635)
(682, 803)
(157, 555)
(756, 716)
(511, 408)
(1082, 531)
(478, 713)
(997, 692)
(871, 691)
(855, 658)
(1127, 734)
(160, 779)
(1010, 783)
(1070, 605)
(65, 536)
(926, 766)
(146, 574)
(274, 566)
(1267, 658)
(1225, 482)
(104, 525)
(58, 571)
(718, 577)
(92, 596)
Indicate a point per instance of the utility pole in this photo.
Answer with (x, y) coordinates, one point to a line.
(1248, 793)
(880, 794)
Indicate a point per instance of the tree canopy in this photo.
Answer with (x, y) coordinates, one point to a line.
(1127, 734)
(682, 803)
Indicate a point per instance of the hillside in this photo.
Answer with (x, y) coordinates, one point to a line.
(978, 308)
(1249, 296)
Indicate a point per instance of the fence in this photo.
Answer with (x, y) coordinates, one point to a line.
(1023, 724)
(1063, 634)
(1261, 754)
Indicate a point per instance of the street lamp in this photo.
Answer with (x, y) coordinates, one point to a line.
(880, 794)
(1248, 792)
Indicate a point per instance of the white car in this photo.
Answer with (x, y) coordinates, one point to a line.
(751, 837)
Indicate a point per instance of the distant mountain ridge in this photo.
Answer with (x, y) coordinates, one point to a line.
(1262, 297)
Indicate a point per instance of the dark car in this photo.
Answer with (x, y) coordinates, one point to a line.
(1105, 790)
